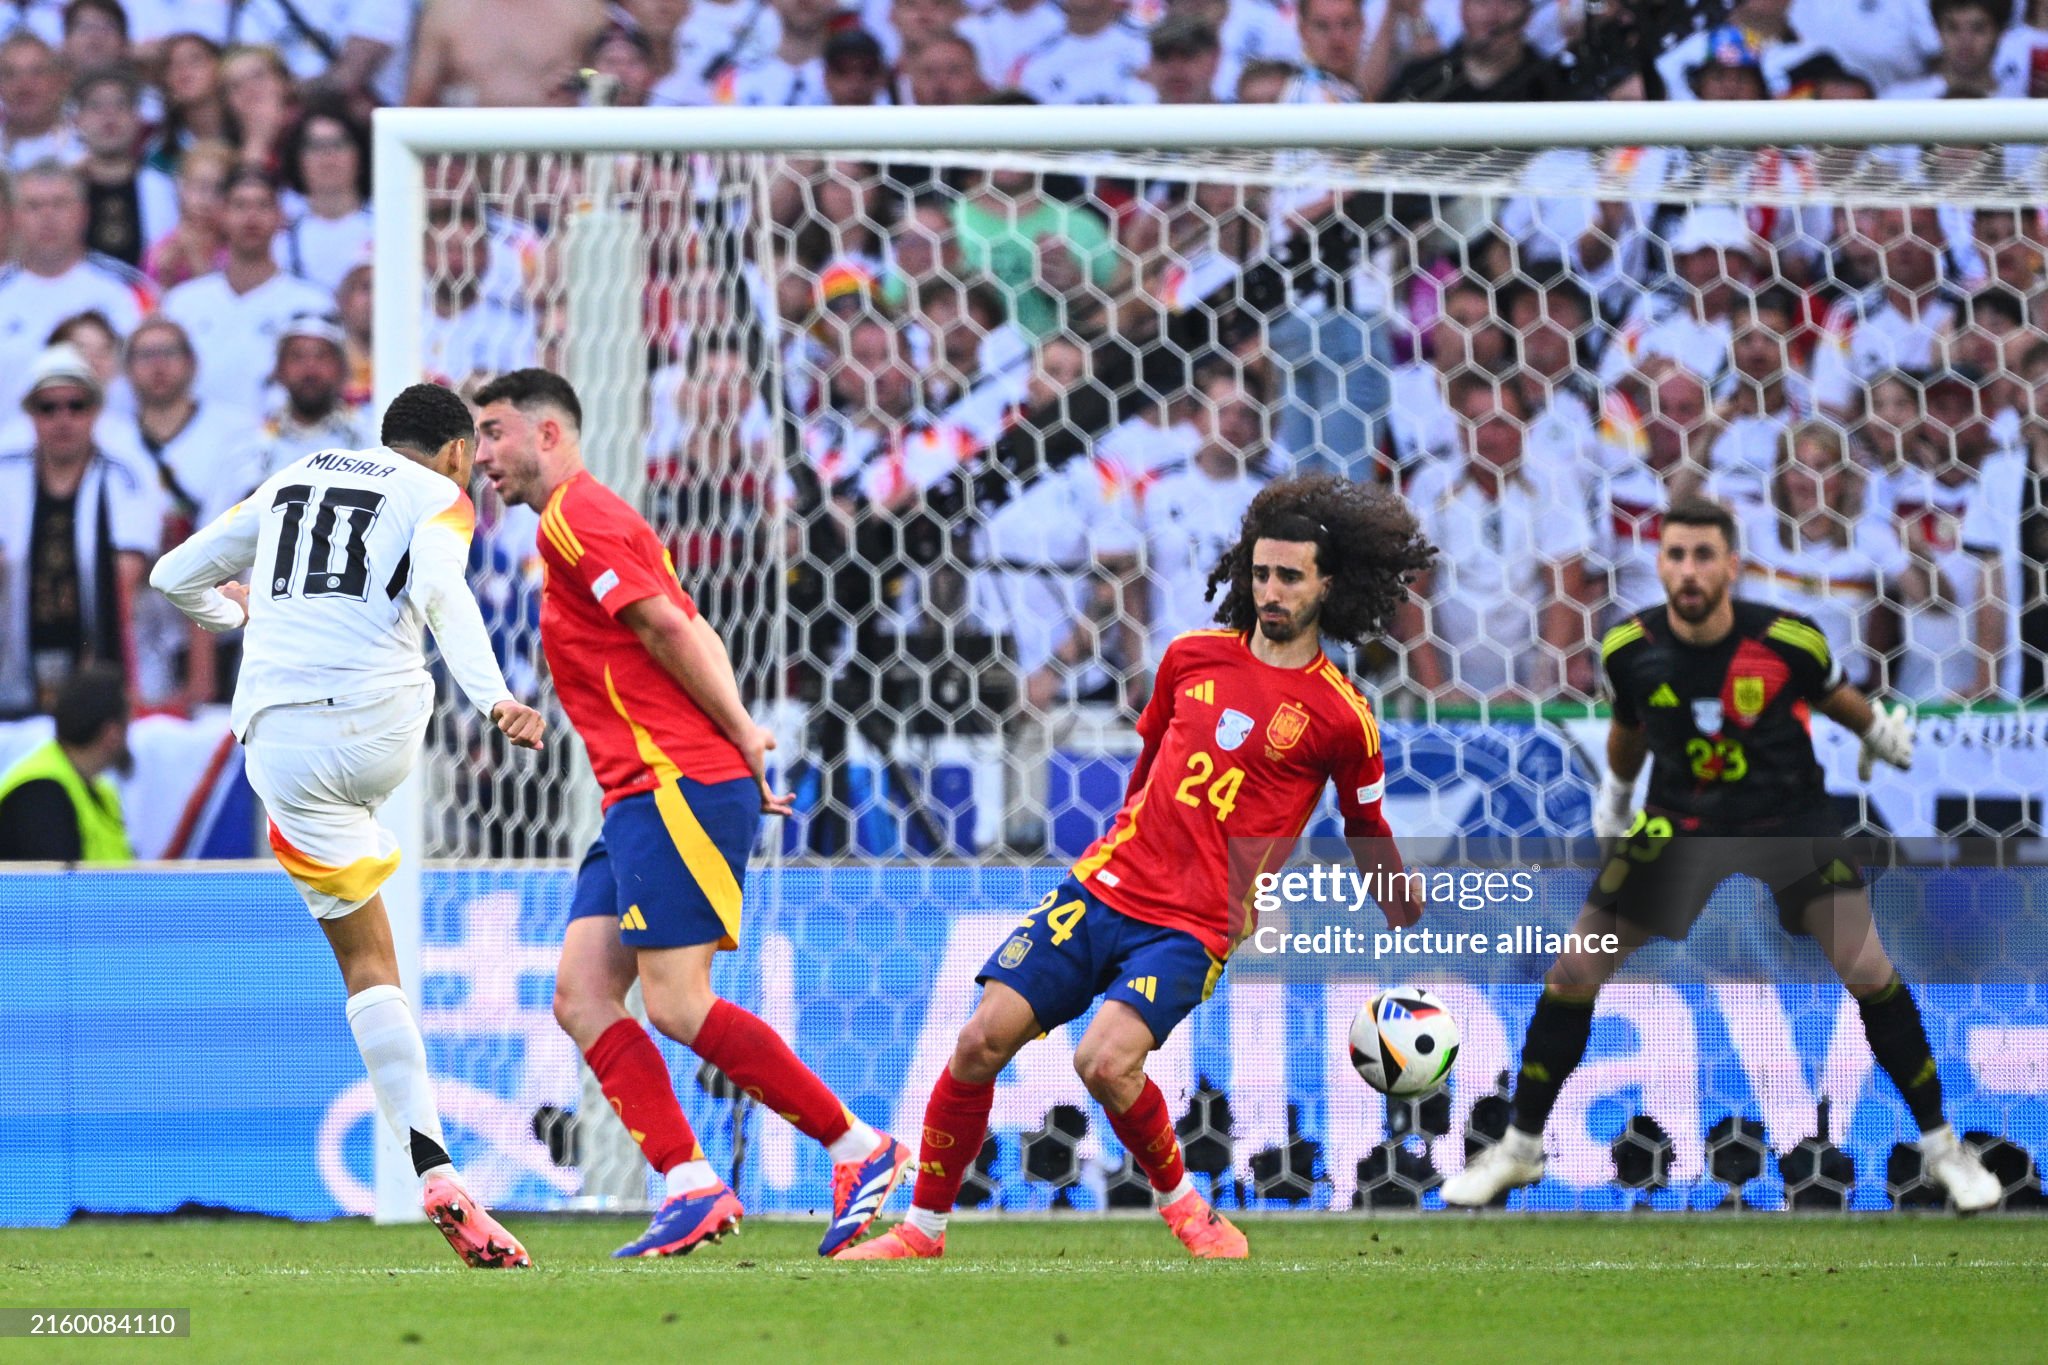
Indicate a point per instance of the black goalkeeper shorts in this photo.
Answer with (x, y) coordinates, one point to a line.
(1660, 879)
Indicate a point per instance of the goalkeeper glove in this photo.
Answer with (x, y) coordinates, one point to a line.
(1889, 739)
(1614, 808)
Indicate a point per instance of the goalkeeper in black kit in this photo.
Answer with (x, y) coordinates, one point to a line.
(1717, 693)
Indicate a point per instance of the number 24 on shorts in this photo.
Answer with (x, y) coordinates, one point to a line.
(1061, 919)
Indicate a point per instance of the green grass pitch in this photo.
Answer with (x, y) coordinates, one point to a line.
(1435, 1289)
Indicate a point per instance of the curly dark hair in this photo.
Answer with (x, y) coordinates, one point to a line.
(1365, 537)
(425, 417)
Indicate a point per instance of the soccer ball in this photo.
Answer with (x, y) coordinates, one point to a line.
(1403, 1042)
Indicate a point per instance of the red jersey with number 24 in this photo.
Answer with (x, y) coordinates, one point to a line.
(640, 726)
(1236, 752)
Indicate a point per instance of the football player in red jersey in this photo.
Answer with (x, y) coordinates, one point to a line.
(650, 688)
(1245, 726)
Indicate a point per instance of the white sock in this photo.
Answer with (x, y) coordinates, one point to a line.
(689, 1177)
(1174, 1195)
(932, 1225)
(396, 1058)
(857, 1143)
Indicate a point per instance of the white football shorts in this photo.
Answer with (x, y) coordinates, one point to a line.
(323, 769)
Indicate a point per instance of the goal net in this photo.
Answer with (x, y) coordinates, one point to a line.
(945, 443)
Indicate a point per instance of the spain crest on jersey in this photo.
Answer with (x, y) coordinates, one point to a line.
(1288, 725)
(1232, 728)
(1748, 695)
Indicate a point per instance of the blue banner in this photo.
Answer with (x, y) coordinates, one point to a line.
(178, 1038)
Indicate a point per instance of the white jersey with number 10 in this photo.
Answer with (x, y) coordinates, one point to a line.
(351, 554)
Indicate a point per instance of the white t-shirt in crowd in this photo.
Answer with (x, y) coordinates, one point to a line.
(1190, 517)
(32, 305)
(1834, 584)
(235, 335)
(1003, 37)
(323, 250)
(1097, 69)
(1494, 561)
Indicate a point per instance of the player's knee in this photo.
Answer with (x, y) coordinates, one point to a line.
(680, 1014)
(1108, 1071)
(979, 1056)
(583, 1014)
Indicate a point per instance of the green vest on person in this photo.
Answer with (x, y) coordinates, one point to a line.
(102, 835)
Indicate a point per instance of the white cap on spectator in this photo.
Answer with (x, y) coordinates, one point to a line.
(316, 327)
(1706, 227)
(62, 365)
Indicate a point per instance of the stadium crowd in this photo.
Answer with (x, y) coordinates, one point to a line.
(1013, 415)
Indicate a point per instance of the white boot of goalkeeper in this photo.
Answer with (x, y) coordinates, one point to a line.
(1958, 1170)
(1516, 1160)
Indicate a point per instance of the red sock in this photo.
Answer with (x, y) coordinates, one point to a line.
(955, 1122)
(1146, 1131)
(761, 1064)
(636, 1081)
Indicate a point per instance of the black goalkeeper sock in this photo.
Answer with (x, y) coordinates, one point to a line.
(1891, 1021)
(1555, 1046)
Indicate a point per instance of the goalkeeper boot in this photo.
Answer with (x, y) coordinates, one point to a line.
(685, 1222)
(476, 1236)
(859, 1189)
(1957, 1169)
(1514, 1161)
(1207, 1234)
(900, 1243)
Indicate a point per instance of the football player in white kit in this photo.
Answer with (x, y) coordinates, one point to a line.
(353, 552)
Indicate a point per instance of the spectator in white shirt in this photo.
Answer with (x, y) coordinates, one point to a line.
(33, 88)
(469, 335)
(312, 372)
(1969, 31)
(326, 158)
(1333, 40)
(1007, 32)
(1927, 496)
(1768, 396)
(1713, 257)
(1192, 511)
(1553, 326)
(855, 72)
(1093, 62)
(1815, 547)
(129, 205)
(235, 315)
(794, 72)
(2006, 529)
(1896, 320)
(1504, 613)
(1463, 333)
(77, 531)
(1675, 433)
(54, 277)
(1886, 40)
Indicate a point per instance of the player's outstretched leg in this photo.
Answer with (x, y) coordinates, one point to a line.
(955, 1123)
(1841, 923)
(1111, 1063)
(591, 983)
(395, 1055)
(867, 1165)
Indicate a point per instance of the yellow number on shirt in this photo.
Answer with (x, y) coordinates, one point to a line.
(1222, 793)
(1721, 759)
(1063, 919)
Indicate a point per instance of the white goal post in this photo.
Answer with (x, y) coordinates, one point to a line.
(1374, 143)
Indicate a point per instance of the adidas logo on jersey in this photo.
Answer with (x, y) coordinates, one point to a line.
(632, 919)
(1143, 985)
(1203, 691)
(1663, 696)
